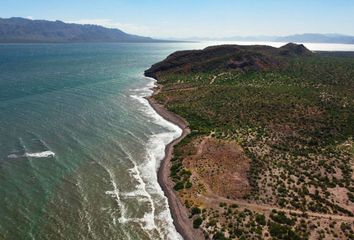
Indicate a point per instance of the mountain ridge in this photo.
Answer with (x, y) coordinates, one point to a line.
(22, 30)
(300, 38)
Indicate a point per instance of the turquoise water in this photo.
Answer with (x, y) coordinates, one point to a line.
(79, 146)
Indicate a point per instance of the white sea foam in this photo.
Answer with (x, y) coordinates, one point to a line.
(13, 155)
(155, 153)
(115, 194)
(44, 154)
(148, 221)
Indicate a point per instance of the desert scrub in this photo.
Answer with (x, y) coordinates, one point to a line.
(295, 123)
(197, 222)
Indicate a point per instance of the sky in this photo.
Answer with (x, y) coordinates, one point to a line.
(195, 18)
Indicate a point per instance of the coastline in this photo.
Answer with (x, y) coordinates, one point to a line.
(180, 214)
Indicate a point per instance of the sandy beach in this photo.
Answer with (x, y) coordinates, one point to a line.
(178, 211)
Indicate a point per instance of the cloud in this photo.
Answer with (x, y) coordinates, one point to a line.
(109, 23)
(30, 17)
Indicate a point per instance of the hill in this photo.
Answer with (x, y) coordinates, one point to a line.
(271, 153)
(227, 57)
(21, 30)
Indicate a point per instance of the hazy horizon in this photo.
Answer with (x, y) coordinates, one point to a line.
(195, 19)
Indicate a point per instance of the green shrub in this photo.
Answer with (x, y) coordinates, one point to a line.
(197, 222)
(260, 219)
(219, 236)
(234, 205)
(350, 197)
(281, 218)
(189, 184)
(279, 231)
(195, 210)
(179, 186)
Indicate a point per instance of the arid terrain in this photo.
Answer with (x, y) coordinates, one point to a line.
(270, 154)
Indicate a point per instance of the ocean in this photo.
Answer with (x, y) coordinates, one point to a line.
(79, 144)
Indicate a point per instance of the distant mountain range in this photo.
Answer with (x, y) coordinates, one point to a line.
(21, 30)
(299, 38)
(317, 38)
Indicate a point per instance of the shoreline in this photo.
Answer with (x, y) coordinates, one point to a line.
(180, 214)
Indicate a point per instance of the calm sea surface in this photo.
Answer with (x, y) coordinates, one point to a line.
(79, 146)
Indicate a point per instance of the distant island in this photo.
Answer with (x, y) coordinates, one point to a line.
(21, 30)
(267, 149)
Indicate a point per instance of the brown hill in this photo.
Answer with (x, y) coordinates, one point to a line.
(228, 57)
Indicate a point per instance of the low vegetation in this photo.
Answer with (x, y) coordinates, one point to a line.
(293, 121)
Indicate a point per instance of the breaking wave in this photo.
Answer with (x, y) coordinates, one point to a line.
(44, 154)
(146, 174)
